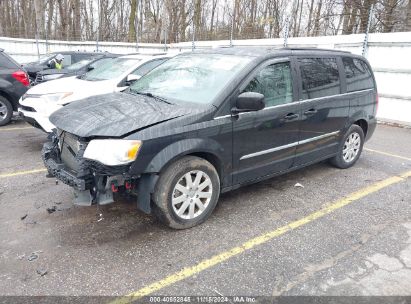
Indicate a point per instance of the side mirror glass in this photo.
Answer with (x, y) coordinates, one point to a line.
(249, 101)
(131, 78)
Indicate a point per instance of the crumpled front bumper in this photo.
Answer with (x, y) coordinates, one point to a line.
(93, 183)
(50, 155)
(89, 188)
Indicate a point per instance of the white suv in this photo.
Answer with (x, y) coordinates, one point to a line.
(116, 75)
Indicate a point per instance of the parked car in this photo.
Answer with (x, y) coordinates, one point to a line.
(211, 121)
(114, 76)
(70, 57)
(14, 83)
(76, 69)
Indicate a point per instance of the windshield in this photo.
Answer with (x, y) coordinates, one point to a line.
(80, 64)
(100, 62)
(111, 69)
(192, 78)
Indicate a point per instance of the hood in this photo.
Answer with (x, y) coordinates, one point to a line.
(54, 71)
(80, 88)
(116, 114)
(33, 67)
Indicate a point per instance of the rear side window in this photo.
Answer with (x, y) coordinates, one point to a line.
(6, 62)
(320, 77)
(358, 74)
(275, 83)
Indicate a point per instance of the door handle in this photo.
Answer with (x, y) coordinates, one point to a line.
(310, 112)
(291, 116)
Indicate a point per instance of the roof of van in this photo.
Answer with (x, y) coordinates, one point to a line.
(262, 51)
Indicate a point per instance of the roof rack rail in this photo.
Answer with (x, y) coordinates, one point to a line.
(306, 48)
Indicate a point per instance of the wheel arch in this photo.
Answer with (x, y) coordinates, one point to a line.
(359, 118)
(9, 99)
(363, 124)
(207, 149)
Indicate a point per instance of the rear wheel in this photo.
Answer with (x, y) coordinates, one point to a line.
(6, 111)
(186, 193)
(350, 148)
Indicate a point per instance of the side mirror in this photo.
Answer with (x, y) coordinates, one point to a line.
(248, 102)
(131, 78)
(90, 68)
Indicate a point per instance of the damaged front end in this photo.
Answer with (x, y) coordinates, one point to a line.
(92, 181)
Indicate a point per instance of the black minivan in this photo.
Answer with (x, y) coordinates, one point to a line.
(211, 121)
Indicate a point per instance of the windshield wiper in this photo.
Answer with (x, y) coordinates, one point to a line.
(159, 98)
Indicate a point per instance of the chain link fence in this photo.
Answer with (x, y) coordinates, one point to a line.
(166, 22)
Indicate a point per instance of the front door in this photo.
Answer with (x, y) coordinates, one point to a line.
(264, 142)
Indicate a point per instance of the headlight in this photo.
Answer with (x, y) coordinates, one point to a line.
(55, 97)
(113, 152)
(52, 76)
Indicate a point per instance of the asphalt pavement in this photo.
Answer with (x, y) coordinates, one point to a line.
(339, 232)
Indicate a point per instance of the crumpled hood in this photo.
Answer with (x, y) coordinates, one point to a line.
(116, 114)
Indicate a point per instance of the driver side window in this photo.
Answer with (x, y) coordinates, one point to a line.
(275, 83)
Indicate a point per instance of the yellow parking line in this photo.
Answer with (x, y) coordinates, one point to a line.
(14, 129)
(224, 256)
(388, 154)
(4, 175)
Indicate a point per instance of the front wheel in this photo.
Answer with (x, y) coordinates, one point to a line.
(350, 148)
(186, 192)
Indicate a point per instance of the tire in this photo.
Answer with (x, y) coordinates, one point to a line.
(350, 148)
(173, 183)
(6, 111)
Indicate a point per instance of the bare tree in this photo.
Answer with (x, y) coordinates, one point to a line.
(148, 20)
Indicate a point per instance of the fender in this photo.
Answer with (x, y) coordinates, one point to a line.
(181, 148)
(178, 149)
(6, 90)
(4, 84)
(360, 114)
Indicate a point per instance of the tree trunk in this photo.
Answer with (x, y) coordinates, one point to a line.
(310, 16)
(63, 19)
(77, 19)
(213, 9)
(197, 19)
(38, 10)
(316, 29)
(299, 20)
(132, 21)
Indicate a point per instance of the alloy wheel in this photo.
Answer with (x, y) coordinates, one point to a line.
(192, 194)
(351, 147)
(3, 111)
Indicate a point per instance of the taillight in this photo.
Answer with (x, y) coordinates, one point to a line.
(21, 77)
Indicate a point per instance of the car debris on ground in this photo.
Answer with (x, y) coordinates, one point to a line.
(42, 272)
(51, 209)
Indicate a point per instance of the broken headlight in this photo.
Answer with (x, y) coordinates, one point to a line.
(113, 152)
